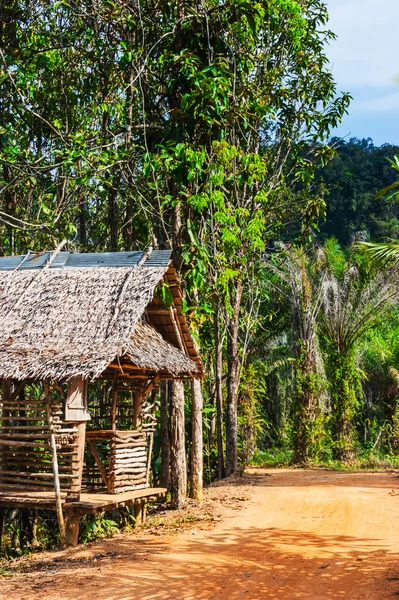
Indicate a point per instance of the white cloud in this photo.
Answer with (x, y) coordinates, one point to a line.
(387, 102)
(365, 53)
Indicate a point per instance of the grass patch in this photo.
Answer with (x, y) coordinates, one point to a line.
(365, 461)
(273, 457)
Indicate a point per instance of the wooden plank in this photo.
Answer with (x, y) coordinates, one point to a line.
(106, 502)
(26, 436)
(38, 475)
(76, 401)
(23, 444)
(26, 481)
(15, 427)
(3, 418)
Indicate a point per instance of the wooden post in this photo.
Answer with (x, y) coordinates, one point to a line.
(149, 457)
(177, 446)
(165, 446)
(114, 405)
(197, 461)
(76, 412)
(138, 407)
(76, 403)
(72, 529)
(81, 439)
(57, 488)
(138, 514)
(2, 515)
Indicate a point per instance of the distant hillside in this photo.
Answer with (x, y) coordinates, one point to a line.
(353, 179)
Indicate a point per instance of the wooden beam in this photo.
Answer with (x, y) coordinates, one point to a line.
(151, 385)
(99, 463)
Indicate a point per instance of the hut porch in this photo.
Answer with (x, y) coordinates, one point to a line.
(88, 504)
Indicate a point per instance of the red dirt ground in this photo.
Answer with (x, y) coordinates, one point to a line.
(283, 534)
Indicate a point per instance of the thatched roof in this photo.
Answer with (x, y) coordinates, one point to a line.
(75, 320)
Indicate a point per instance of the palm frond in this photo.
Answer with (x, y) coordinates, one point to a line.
(383, 253)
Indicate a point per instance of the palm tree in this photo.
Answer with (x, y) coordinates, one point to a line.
(383, 253)
(293, 280)
(355, 297)
(387, 252)
(380, 365)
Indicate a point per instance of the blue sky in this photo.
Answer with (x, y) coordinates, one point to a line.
(365, 62)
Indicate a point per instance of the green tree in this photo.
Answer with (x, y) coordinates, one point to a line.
(195, 121)
(252, 116)
(379, 353)
(355, 298)
(296, 284)
(353, 180)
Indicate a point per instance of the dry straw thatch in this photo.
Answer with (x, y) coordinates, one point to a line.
(62, 323)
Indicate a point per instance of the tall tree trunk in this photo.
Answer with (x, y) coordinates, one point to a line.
(177, 227)
(197, 460)
(165, 445)
(233, 375)
(346, 388)
(212, 420)
(113, 213)
(178, 467)
(219, 391)
(82, 223)
(305, 405)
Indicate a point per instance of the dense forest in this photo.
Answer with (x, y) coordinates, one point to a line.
(353, 180)
(206, 127)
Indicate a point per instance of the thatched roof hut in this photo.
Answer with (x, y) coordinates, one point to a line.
(66, 320)
(78, 314)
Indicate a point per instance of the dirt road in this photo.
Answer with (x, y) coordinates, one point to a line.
(301, 534)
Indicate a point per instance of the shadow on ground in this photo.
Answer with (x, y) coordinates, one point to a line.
(230, 562)
(233, 565)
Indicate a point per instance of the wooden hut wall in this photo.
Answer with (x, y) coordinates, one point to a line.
(119, 458)
(25, 457)
(129, 461)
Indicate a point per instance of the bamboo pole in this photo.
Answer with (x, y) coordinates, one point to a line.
(57, 487)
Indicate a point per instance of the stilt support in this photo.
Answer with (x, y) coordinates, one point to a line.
(140, 512)
(72, 529)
